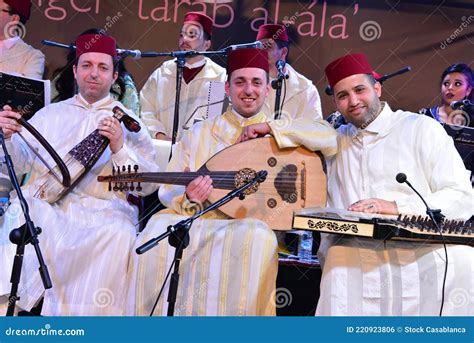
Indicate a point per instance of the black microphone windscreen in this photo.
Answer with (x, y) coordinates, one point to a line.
(401, 177)
(455, 104)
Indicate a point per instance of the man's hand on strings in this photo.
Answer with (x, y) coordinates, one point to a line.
(254, 131)
(8, 121)
(374, 205)
(111, 128)
(199, 189)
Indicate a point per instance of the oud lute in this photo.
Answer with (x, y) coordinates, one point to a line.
(296, 180)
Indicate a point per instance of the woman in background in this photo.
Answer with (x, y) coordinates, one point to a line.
(124, 90)
(457, 83)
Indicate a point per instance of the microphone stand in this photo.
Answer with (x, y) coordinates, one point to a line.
(27, 233)
(437, 217)
(179, 238)
(389, 76)
(435, 214)
(180, 62)
(276, 85)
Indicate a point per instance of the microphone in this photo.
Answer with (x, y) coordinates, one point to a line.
(389, 76)
(435, 215)
(280, 65)
(461, 103)
(401, 178)
(57, 45)
(257, 45)
(135, 54)
(381, 79)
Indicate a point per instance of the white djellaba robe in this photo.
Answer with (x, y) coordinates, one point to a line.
(157, 96)
(373, 278)
(301, 100)
(88, 234)
(20, 58)
(230, 266)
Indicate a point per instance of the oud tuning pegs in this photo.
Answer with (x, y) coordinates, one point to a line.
(139, 187)
(110, 183)
(129, 169)
(125, 186)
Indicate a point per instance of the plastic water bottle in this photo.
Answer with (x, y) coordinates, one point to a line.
(5, 188)
(305, 246)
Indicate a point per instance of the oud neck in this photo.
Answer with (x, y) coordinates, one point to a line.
(220, 179)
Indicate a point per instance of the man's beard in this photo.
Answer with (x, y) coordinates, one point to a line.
(372, 112)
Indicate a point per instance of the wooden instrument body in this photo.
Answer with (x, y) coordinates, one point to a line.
(78, 162)
(384, 227)
(296, 179)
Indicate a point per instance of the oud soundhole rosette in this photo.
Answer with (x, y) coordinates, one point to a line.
(243, 176)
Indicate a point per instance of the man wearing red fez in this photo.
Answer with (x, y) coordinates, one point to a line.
(201, 77)
(86, 235)
(394, 278)
(236, 260)
(300, 96)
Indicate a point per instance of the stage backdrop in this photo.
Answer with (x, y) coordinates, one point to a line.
(426, 35)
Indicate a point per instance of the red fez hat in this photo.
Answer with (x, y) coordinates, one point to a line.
(247, 58)
(273, 31)
(346, 66)
(96, 43)
(197, 17)
(21, 6)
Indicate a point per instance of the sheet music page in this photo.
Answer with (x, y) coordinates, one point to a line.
(24, 94)
(216, 93)
(212, 107)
